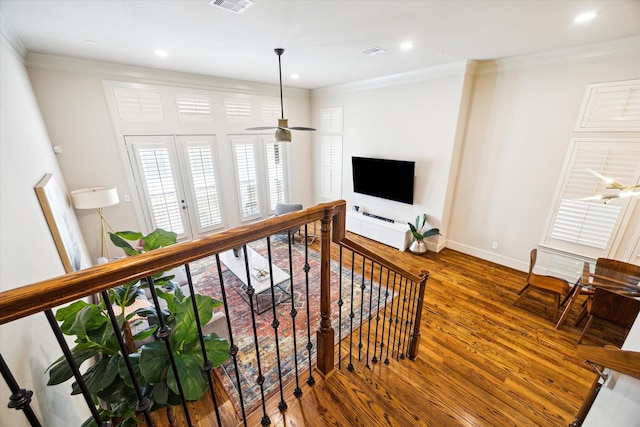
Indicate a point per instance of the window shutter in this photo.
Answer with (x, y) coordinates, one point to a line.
(590, 227)
(138, 105)
(276, 179)
(331, 171)
(246, 176)
(157, 168)
(238, 109)
(193, 108)
(270, 110)
(331, 120)
(206, 195)
(611, 107)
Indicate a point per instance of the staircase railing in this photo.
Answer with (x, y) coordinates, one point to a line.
(388, 310)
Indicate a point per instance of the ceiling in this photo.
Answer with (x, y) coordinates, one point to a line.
(323, 39)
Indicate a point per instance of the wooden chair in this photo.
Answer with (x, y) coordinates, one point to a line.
(618, 276)
(613, 307)
(546, 284)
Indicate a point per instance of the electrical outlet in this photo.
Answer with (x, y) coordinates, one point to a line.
(494, 245)
(127, 198)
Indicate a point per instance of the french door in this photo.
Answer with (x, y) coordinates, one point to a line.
(178, 183)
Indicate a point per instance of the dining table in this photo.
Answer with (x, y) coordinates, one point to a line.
(617, 276)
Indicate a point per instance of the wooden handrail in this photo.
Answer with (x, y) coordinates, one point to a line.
(47, 294)
(355, 247)
(623, 361)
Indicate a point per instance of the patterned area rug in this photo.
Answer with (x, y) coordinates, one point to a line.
(252, 362)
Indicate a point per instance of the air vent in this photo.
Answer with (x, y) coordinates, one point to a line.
(235, 6)
(373, 51)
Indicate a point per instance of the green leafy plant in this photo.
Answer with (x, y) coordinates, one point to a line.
(108, 379)
(417, 228)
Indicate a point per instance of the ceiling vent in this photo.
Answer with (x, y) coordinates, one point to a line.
(373, 51)
(235, 6)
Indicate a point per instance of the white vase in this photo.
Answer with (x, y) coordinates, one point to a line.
(418, 247)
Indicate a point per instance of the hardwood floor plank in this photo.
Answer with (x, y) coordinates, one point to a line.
(486, 358)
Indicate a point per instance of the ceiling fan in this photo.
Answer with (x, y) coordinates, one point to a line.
(283, 130)
(623, 191)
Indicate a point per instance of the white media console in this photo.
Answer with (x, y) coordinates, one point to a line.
(394, 234)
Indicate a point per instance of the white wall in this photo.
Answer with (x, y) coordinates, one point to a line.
(72, 100)
(412, 117)
(521, 120)
(28, 253)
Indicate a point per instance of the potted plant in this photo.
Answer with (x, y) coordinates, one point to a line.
(418, 246)
(107, 380)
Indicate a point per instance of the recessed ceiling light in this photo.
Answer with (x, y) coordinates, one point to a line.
(161, 53)
(406, 46)
(585, 17)
(375, 50)
(91, 41)
(295, 76)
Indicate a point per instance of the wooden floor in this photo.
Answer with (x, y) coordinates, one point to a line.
(483, 360)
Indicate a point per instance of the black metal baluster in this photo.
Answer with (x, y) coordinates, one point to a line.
(265, 421)
(74, 367)
(404, 302)
(207, 366)
(395, 319)
(370, 315)
(233, 349)
(282, 406)
(374, 359)
(340, 303)
(164, 333)
(351, 314)
(410, 317)
(384, 314)
(20, 397)
(298, 391)
(307, 267)
(362, 288)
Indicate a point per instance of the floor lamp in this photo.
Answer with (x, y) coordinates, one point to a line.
(97, 198)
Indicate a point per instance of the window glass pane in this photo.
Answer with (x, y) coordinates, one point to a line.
(245, 158)
(205, 188)
(275, 174)
(159, 182)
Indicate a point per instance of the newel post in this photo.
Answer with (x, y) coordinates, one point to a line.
(325, 333)
(414, 341)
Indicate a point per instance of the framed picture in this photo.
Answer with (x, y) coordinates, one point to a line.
(61, 221)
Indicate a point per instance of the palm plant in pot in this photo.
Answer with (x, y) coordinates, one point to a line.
(418, 246)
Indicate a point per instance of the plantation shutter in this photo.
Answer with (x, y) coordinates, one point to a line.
(331, 172)
(331, 124)
(138, 105)
(193, 108)
(276, 178)
(238, 110)
(202, 174)
(245, 154)
(157, 167)
(611, 107)
(590, 227)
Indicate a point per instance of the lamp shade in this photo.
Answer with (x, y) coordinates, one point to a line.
(94, 197)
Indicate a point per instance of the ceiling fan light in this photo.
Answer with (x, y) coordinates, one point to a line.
(283, 135)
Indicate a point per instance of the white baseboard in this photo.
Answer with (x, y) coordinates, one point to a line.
(489, 256)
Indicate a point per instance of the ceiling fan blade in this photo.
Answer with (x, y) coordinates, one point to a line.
(299, 128)
(262, 128)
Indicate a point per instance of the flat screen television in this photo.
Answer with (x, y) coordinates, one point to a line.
(388, 179)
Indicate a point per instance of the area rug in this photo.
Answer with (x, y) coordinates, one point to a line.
(251, 362)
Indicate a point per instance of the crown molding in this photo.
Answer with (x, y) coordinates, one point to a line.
(114, 71)
(573, 54)
(12, 38)
(453, 69)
